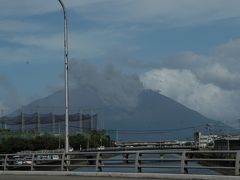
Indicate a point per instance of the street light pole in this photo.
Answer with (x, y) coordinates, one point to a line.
(66, 77)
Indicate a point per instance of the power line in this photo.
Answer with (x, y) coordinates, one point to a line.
(158, 131)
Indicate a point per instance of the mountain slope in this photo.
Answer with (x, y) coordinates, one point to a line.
(154, 116)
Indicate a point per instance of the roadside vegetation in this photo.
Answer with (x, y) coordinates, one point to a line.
(12, 142)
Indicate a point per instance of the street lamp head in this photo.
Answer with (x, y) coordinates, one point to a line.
(60, 1)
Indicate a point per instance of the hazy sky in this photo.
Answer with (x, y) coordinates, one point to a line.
(187, 49)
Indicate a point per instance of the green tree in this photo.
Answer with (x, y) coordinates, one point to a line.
(77, 141)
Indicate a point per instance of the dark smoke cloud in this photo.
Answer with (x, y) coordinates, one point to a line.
(112, 86)
(9, 97)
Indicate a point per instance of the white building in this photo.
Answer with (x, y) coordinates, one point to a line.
(204, 141)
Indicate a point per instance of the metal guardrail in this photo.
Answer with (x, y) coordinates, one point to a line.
(143, 148)
(138, 160)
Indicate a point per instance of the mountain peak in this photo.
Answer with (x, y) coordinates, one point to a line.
(151, 111)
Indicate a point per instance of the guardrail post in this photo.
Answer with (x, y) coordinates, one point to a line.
(67, 162)
(161, 156)
(184, 169)
(62, 163)
(99, 162)
(237, 163)
(125, 157)
(138, 162)
(5, 163)
(32, 164)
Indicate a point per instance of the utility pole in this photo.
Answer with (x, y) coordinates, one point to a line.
(228, 144)
(22, 122)
(66, 77)
(2, 113)
(116, 135)
(80, 122)
(53, 123)
(38, 123)
(59, 140)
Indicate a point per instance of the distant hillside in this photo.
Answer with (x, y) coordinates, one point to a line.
(165, 117)
(154, 116)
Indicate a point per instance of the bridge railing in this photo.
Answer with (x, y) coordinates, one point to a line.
(226, 162)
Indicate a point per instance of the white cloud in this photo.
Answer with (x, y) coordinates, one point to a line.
(168, 12)
(172, 12)
(88, 44)
(209, 84)
(53, 42)
(21, 8)
(186, 88)
(220, 67)
(219, 75)
(11, 26)
(24, 54)
(124, 17)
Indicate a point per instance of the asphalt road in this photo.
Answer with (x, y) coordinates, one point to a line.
(30, 177)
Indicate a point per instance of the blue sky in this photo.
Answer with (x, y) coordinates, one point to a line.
(187, 49)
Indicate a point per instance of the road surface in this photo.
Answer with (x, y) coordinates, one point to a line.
(35, 177)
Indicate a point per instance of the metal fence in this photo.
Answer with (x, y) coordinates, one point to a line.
(182, 161)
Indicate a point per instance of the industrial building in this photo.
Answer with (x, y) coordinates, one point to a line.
(227, 143)
(204, 141)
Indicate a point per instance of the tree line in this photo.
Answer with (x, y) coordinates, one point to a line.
(13, 142)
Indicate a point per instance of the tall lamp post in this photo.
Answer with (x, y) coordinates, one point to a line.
(66, 77)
